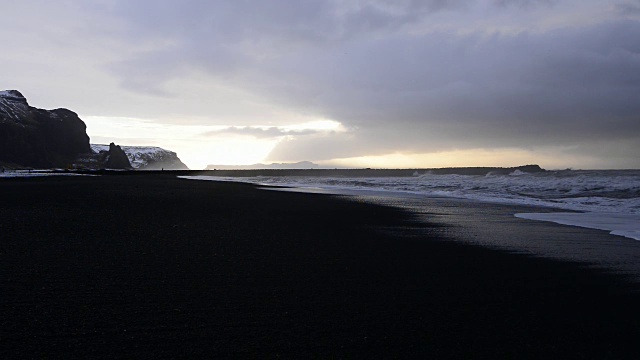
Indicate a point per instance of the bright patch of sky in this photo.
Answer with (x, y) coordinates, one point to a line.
(199, 145)
(461, 158)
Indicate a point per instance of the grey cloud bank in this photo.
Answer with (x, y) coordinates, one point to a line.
(260, 133)
(401, 76)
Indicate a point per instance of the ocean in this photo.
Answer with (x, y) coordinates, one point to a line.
(598, 199)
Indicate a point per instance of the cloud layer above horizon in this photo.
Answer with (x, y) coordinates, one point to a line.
(559, 77)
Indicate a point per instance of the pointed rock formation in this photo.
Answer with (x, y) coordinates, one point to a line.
(116, 158)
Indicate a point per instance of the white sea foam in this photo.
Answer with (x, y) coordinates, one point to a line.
(609, 197)
(627, 225)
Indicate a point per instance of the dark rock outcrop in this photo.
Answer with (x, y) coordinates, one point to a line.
(116, 158)
(104, 157)
(37, 138)
(32, 137)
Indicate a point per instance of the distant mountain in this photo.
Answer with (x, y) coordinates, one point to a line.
(297, 165)
(148, 157)
(32, 137)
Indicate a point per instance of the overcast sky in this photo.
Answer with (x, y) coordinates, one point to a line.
(356, 83)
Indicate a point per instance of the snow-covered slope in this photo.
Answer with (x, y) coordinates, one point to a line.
(148, 157)
(13, 106)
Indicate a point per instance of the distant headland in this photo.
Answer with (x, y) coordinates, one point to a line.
(368, 172)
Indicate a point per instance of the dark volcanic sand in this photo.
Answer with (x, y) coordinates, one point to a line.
(157, 267)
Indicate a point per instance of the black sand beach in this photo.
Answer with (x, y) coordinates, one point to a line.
(151, 266)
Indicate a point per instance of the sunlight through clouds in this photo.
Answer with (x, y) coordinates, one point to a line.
(510, 157)
(202, 145)
(328, 81)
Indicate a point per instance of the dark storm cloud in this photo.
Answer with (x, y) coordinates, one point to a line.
(230, 38)
(524, 3)
(523, 90)
(400, 84)
(629, 8)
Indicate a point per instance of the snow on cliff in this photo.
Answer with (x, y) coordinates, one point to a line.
(148, 157)
(13, 106)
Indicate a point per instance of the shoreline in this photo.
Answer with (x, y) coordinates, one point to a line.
(619, 224)
(154, 266)
(599, 247)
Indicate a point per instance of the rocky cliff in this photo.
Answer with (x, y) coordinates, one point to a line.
(32, 137)
(148, 157)
(37, 138)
